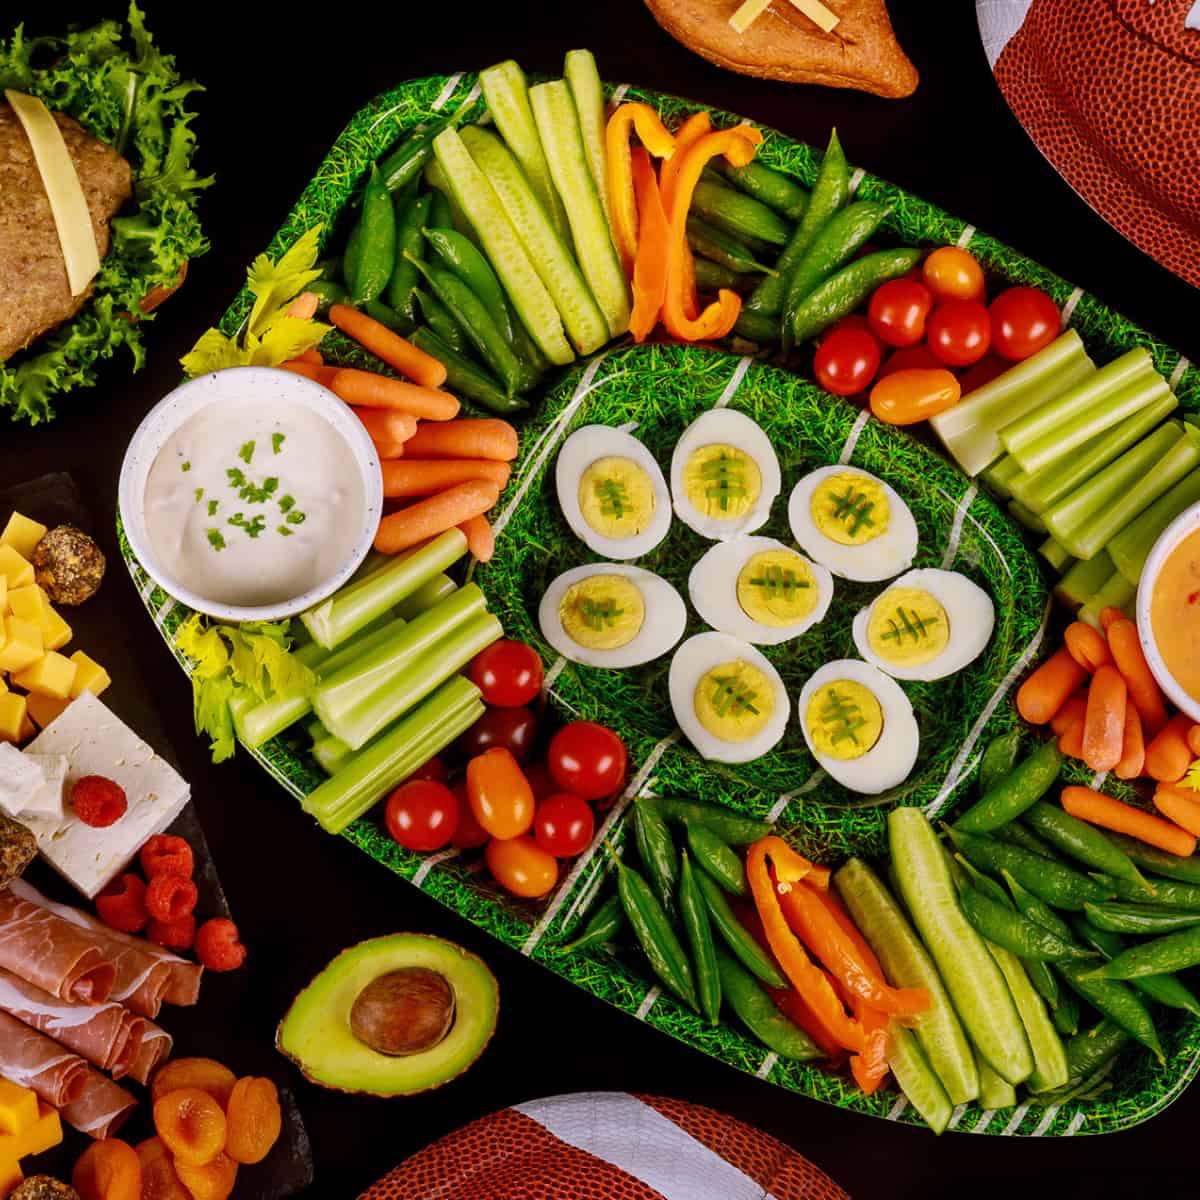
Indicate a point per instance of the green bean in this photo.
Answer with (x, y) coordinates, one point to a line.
(464, 377)
(729, 826)
(711, 276)
(739, 214)
(606, 922)
(1022, 787)
(1142, 919)
(1116, 1001)
(411, 218)
(1170, 892)
(844, 291)
(1065, 1014)
(1082, 842)
(461, 256)
(1016, 934)
(715, 857)
(736, 936)
(404, 163)
(328, 293)
(720, 247)
(1163, 955)
(1090, 1049)
(657, 852)
(652, 928)
(1166, 989)
(999, 758)
(441, 320)
(377, 248)
(1156, 861)
(756, 1010)
(699, 933)
(782, 194)
(1044, 980)
(1017, 834)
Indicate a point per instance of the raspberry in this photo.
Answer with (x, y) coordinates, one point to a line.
(98, 801)
(174, 935)
(217, 945)
(170, 897)
(122, 904)
(165, 855)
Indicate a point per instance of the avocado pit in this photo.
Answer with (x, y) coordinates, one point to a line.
(405, 1011)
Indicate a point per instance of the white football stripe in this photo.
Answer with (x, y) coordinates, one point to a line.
(1073, 1128)
(860, 423)
(956, 1115)
(448, 90)
(640, 1141)
(855, 179)
(619, 93)
(1046, 1121)
(1068, 309)
(767, 1065)
(648, 1002)
(1098, 780)
(1018, 1116)
(429, 862)
(735, 381)
(1177, 374)
(897, 1109)
(960, 513)
(964, 238)
(985, 1119)
(555, 671)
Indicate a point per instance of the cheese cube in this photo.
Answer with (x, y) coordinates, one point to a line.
(90, 676)
(3, 594)
(43, 709)
(18, 1107)
(12, 717)
(10, 1176)
(52, 675)
(31, 604)
(56, 633)
(3, 684)
(22, 534)
(28, 729)
(16, 569)
(42, 1135)
(22, 643)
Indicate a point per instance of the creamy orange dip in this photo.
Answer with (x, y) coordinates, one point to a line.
(1175, 613)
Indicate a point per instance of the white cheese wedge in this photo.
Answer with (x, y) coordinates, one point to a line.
(47, 801)
(97, 742)
(68, 204)
(21, 778)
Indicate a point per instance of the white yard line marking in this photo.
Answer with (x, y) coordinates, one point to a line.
(1017, 1117)
(555, 671)
(628, 427)
(964, 238)
(448, 90)
(1098, 780)
(1046, 1121)
(1177, 374)
(768, 1064)
(1068, 309)
(429, 862)
(648, 1002)
(897, 1109)
(855, 179)
(1076, 1121)
(860, 423)
(160, 617)
(985, 1119)
(815, 780)
(735, 381)
(960, 513)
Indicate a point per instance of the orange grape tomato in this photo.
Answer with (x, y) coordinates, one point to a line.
(108, 1170)
(499, 793)
(909, 358)
(953, 274)
(521, 866)
(906, 397)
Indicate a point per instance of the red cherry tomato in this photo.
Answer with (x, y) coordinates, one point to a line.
(909, 358)
(850, 321)
(563, 825)
(953, 274)
(540, 780)
(508, 674)
(960, 332)
(513, 728)
(587, 759)
(984, 371)
(521, 866)
(469, 835)
(434, 769)
(422, 815)
(906, 397)
(500, 795)
(1024, 321)
(898, 310)
(846, 361)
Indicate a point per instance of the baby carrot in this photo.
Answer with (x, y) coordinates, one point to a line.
(368, 390)
(399, 354)
(1071, 741)
(1133, 746)
(387, 424)
(311, 355)
(1104, 722)
(1131, 662)
(481, 437)
(1168, 755)
(1074, 710)
(1109, 615)
(1193, 740)
(315, 371)
(304, 307)
(1179, 805)
(1087, 646)
(1109, 813)
(1047, 689)
(388, 450)
(481, 541)
(427, 477)
(427, 518)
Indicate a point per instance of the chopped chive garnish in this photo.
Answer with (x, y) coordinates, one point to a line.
(187, 466)
(296, 517)
(238, 519)
(725, 478)
(199, 495)
(598, 613)
(212, 508)
(215, 540)
(277, 440)
(843, 716)
(284, 530)
(246, 453)
(236, 477)
(732, 697)
(777, 581)
(287, 503)
(853, 509)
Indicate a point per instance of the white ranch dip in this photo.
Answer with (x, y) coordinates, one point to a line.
(254, 503)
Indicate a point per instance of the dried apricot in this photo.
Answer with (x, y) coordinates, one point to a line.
(159, 1181)
(213, 1180)
(254, 1120)
(191, 1125)
(108, 1170)
(204, 1073)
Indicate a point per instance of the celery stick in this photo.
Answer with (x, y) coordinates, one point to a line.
(1059, 557)
(370, 774)
(1023, 431)
(346, 612)
(315, 731)
(1085, 579)
(407, 687)
(1039, 489)
(579, 70)
(331, 754)
(1182, 457)
(999, 476)
(1130, 547)
(1117, 592)
(426, 596)
(1026, 516)
(337, 693)
(1073, 511)
(970, 429)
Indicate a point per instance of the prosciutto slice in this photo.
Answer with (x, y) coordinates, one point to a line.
(101, 1107)
(154, 1048)
(51, 952)
(31, 1059)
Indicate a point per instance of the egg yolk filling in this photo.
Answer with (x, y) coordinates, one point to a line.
(722, 481)
(734, 701)
(776, 588)
(602, 612)
(616, 497)
(844, 719)
(850, 508)
(907, 627)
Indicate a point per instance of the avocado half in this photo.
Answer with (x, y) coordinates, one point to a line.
(316, 1033)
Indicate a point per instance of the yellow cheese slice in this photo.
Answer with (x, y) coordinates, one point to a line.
(814, 10)
(63, 189)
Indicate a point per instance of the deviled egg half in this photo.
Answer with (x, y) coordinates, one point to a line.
(612, 492)
(853, 523)
(724, 475)
(728, 700)
(611, 615)
(859, 725)
(759, 590)
(926, 625)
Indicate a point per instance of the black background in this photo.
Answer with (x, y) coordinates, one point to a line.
(282, 81)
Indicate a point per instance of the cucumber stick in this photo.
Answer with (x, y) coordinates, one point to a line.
(507, 96)
(907, 964)
(503, 247)
(917, 1079)
(1049, 1055)
(581, 75)
(549, 254)
(976, 985)
(558, 125)
(994, 1092)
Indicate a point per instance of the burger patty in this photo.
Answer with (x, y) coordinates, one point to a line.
(34, 294)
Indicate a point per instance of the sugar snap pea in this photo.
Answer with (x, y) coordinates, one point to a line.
(1091, 1048)
(735, 935)
(729, 826)
(657, 852)
(386, 315)
(782, 194)
(756, 1010)
(652, 928)
(411, 215)
(1022, 787)
(1156, 861)
(1018, 834)
(441, 211)
(462, 257)
(1082, 842)
(720, 247)
(1014, 932)
(715, 857)
(1169, 892)
(844, 291)
(1065, 1012)
(604, 925)
(405, 163)
(1145, 920)
(1166, 988)
(464, 377)
(1035, 908)
(377, 246)
(999, 758)
(1116, 1001)
(1162, 955)
(441, 320)
(711, 276)
(327, 293)
(739, 214)
(694, 913)
(351, 255)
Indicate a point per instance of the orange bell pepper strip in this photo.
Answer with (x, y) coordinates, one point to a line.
(738, 146)
(870, 1068)
(650, 265)
(804, 975)
(792, 867)
(659, 141)
(690, 132)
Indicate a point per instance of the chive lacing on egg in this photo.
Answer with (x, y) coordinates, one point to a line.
(908, 624)
(853, 509)
(842, 717)
(613, 496)
(777, 581)
(598, 613)
(725, 480)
